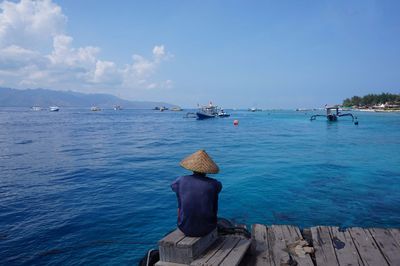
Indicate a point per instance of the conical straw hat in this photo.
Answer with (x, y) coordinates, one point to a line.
(200, 162)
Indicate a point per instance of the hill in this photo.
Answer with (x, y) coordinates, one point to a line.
(44, 98)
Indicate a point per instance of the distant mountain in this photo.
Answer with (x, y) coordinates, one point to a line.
(44, 98)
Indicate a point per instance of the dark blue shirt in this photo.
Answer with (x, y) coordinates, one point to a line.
(197, 203)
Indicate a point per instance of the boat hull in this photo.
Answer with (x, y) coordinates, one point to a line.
(202, 116)
(331, 118)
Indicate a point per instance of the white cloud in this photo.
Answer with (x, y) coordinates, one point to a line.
(30, 23)
(106, 72)
(167, 84)
(158, 51)
(36, 51)
(65, 55)
(14, 57)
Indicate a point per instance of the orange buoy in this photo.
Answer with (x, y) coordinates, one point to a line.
(235, 122)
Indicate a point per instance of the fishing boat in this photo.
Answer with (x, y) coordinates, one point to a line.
(222, 113)
(117, 107)
(332, 114)
(208, 111)
(36, 108)
(54, 108)
(95, 108)
(176, 109)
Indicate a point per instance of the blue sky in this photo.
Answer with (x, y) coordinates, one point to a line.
(267, 54)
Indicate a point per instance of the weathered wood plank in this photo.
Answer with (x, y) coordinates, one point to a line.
(387, 244)
(346, 252)
(194, 246)
(366, 246)
(202, 260)
(396, 234)
(167, 245)
(187, 241)
(260, 251)
(277, 244)
(324, 251)
(237, 253)
(293, 234)
(164, 263)
(172, 238)
(226, 248)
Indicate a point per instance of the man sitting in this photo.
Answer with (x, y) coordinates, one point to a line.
(197, 195)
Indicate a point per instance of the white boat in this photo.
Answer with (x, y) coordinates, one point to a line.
(36, 108)
(95, 108)
(222, 113)
(117, 107)
(54, 108)
(176, 109)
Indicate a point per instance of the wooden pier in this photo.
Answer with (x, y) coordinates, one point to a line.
(286, 245)
(273, 245)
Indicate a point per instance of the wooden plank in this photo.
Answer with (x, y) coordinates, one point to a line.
(324, 252)
(222, 253)
(188, 241)
(167, 245)
(387, 244)
(164, 263)
(172, 238)
(260, 250)
(194, 246)
(293, 234)
(277, 245)
(209, 252)
(366, 247)
(396, 234)
(236, 255)
(345, 250)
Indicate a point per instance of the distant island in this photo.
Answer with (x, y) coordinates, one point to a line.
(43, 97)
(383, 102)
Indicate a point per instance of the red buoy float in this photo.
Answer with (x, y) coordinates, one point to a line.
(235, 122)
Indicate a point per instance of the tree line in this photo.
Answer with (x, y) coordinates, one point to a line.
(372, 99)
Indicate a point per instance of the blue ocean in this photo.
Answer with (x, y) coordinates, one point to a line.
(93, 188)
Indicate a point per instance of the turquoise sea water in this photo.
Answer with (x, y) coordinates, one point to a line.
(90, 188)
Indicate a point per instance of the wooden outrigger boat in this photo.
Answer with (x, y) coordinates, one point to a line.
(332, 114)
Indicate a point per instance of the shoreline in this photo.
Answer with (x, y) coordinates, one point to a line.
(377, 110)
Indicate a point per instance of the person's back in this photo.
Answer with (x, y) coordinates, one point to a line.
(197, 195)
(197, 203)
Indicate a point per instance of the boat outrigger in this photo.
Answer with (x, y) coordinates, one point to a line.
(332, 114)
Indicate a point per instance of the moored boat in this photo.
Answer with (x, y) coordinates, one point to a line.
(176, 109)
(253, 109)
(95, 108)
(222, 113)
(36, 108)
(54, 108)
(332, 114)
(208, 111)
